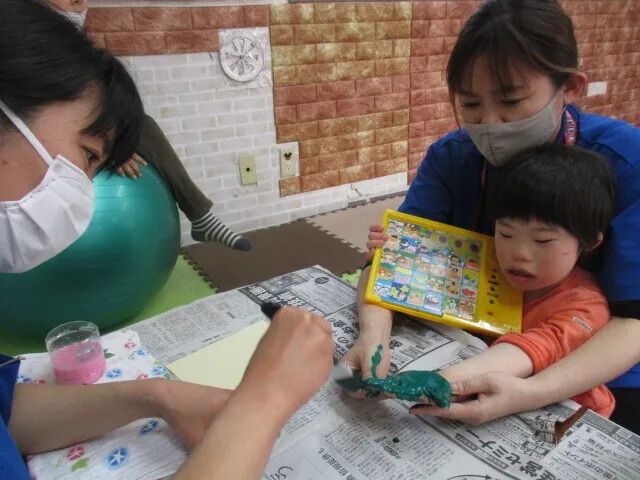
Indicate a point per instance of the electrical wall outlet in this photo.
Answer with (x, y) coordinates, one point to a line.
(288, 160)
(247, 165)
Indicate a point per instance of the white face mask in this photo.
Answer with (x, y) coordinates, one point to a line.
(498, 142)
(49, 218)
(78, 19)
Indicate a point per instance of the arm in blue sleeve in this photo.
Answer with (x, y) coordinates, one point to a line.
(620, 275)
(429, 195)
(8, 377)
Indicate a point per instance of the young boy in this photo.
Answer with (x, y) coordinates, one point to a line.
(551, 207)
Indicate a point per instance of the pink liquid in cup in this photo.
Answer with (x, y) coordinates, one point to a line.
(79, 363)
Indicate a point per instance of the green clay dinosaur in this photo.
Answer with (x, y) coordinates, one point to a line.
(412, 385)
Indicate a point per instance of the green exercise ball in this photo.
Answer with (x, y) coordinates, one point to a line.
(125, 256)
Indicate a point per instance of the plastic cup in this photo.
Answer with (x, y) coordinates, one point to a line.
(76, 353)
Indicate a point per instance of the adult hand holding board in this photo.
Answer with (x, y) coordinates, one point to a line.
(376, 239)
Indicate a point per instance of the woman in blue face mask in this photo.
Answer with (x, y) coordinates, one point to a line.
(513, 75)
(68, 110)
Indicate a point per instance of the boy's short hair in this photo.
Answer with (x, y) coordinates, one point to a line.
(570, 187)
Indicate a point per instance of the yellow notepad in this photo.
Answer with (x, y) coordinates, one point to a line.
(223, 363)
(445, 274)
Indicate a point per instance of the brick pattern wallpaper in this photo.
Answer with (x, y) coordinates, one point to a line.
(341, 77)
(361, 86)
(434, 30)
(155, 31)
(608, 33)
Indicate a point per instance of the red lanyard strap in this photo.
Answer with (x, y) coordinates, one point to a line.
(570, 129)
(483, 181)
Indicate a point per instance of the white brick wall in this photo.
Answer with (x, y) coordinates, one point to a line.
(210, 119)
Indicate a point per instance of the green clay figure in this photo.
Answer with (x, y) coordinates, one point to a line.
(413, 385)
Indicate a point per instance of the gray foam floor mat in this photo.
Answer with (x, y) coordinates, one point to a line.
(351, 225)
(276, 251)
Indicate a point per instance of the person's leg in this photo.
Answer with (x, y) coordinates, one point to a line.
(205, 227)
(627, 411)
(155, 148)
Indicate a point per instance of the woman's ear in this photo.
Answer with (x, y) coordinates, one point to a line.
(598, 243)
(573, 87)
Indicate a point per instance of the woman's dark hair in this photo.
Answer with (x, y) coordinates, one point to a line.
(570, 187)
(45, 59)
(522, 34)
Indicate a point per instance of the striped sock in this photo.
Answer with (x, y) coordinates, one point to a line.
(209, 228)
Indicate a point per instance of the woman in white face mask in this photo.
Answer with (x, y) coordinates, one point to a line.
(513, 75)
(68, 110)
(73, 10)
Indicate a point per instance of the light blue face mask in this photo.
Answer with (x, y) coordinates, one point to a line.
(498, 142)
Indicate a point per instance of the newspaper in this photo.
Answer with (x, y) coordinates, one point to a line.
(336, 437)
(185, 330)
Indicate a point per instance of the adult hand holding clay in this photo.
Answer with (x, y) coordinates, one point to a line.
(291, 362)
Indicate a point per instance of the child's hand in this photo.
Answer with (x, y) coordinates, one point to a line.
(360, 358)
(377, 239)
(131, 169)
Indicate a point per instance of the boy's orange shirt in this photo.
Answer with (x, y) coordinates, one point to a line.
(559, 322)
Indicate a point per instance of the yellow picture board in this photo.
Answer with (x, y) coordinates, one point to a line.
(445, 274)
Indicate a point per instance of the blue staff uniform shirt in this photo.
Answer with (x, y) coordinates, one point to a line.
(12, 466)
(448, 188)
